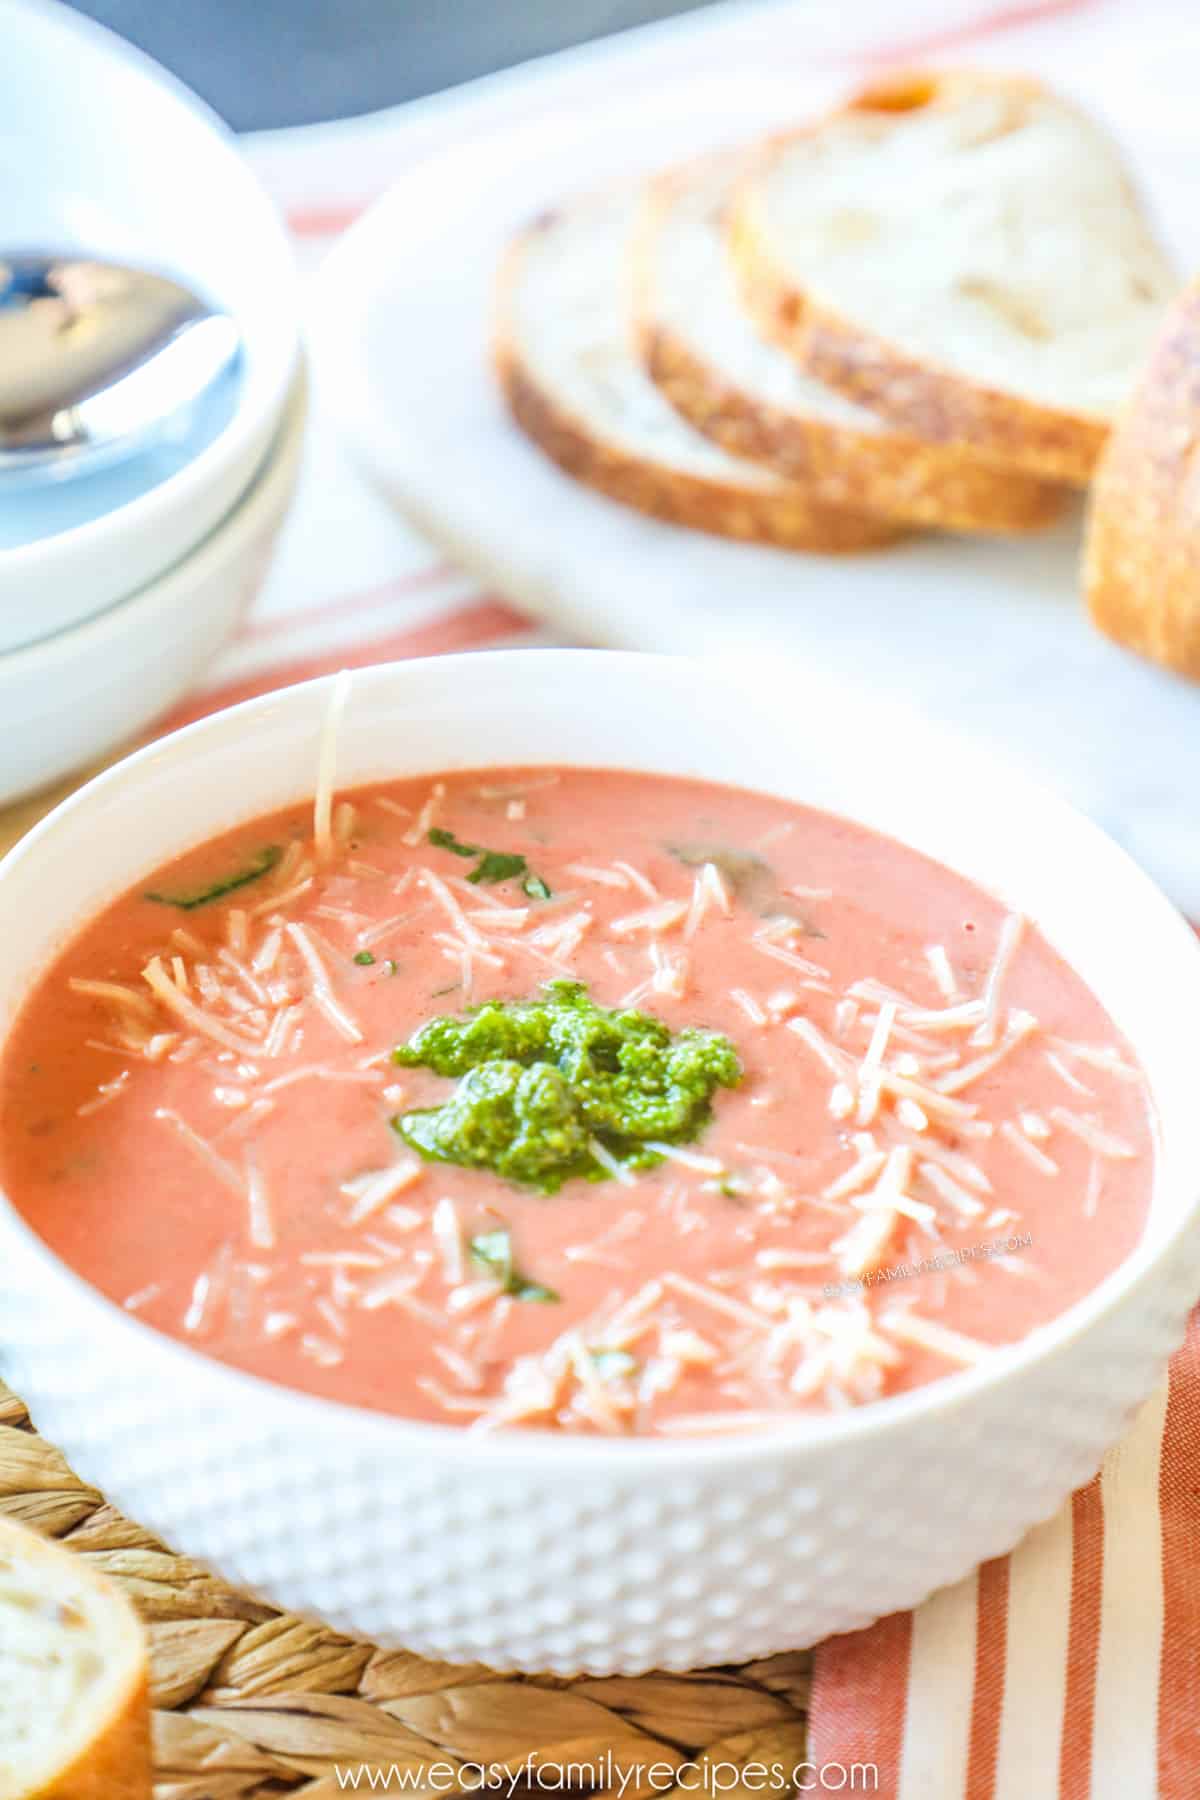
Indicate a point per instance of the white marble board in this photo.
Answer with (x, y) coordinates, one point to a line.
(988, 636)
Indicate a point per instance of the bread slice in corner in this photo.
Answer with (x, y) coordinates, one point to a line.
(1141, 560)
(964, 254)
(567, 363)
(74, 1720)
(752, 398)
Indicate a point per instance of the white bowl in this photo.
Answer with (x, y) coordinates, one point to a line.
(539, 1552)
(75, 696)
(100, 149)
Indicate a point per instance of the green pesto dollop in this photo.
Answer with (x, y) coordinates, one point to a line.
(542, 1082)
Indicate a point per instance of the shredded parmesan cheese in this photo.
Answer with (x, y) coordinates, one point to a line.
(865, 1170)
(608, 1161)
(419, 830)
(927, 1334)
(165, 991)
(836, 1061)
(661, 917)
(1099, 1056)
(861, 1249)
(944, 1184)
(323, 995)
(1020, 1025)
(1010, 937)
(870, 1069)
(212, 1159)
(125, 999)
(373, 1192)
(1025, 1148)
(708, 890)
(639, 879)
(1104, 1143)
(612, 878)
(942, 971)
(749, 1006)
(448, 1236)
(261, 1226)
(327, 750)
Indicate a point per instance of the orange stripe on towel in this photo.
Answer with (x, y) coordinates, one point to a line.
(991, 1645)
(470, 628)
(955, 37)
(856, 1713)
(1087, 1577)
(1179, 1503)
(351, 605)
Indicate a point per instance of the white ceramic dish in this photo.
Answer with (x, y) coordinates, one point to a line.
(408, 378)
(101, 149)
(537, 1552)
(75, 696)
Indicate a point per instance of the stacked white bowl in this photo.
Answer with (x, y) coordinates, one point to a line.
(118, 587)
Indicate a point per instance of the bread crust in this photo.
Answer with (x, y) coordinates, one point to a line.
(787, 518)
(889, 471)
(1141, 558)
(938, 404)
(117, 1763)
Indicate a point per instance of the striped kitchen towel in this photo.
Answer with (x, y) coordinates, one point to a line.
(1069, 1670)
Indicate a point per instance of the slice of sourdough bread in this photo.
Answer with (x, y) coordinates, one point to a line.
(74, 1722)
(752, 398)
(569, 368)
(1141, 561)
(964, 254)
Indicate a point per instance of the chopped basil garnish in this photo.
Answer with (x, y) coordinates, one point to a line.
(498, 865)
(446, 840)
(532, 1290)
(363, 958)
(391, 966)
(492, 1251)
(751, 877)
(260, 865)
(493, 865)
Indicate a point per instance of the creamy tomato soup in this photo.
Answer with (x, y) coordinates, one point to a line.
(600, 1101)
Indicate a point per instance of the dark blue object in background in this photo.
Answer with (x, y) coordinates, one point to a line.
(291, 62)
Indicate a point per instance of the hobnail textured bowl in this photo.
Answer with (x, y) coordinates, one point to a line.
(528, 1551)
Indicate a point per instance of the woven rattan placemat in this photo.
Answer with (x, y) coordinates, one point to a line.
(254, 1703)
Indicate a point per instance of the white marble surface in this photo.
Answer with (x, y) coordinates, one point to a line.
(990, 637)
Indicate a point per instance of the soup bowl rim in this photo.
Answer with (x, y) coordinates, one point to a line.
(794, 1436)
